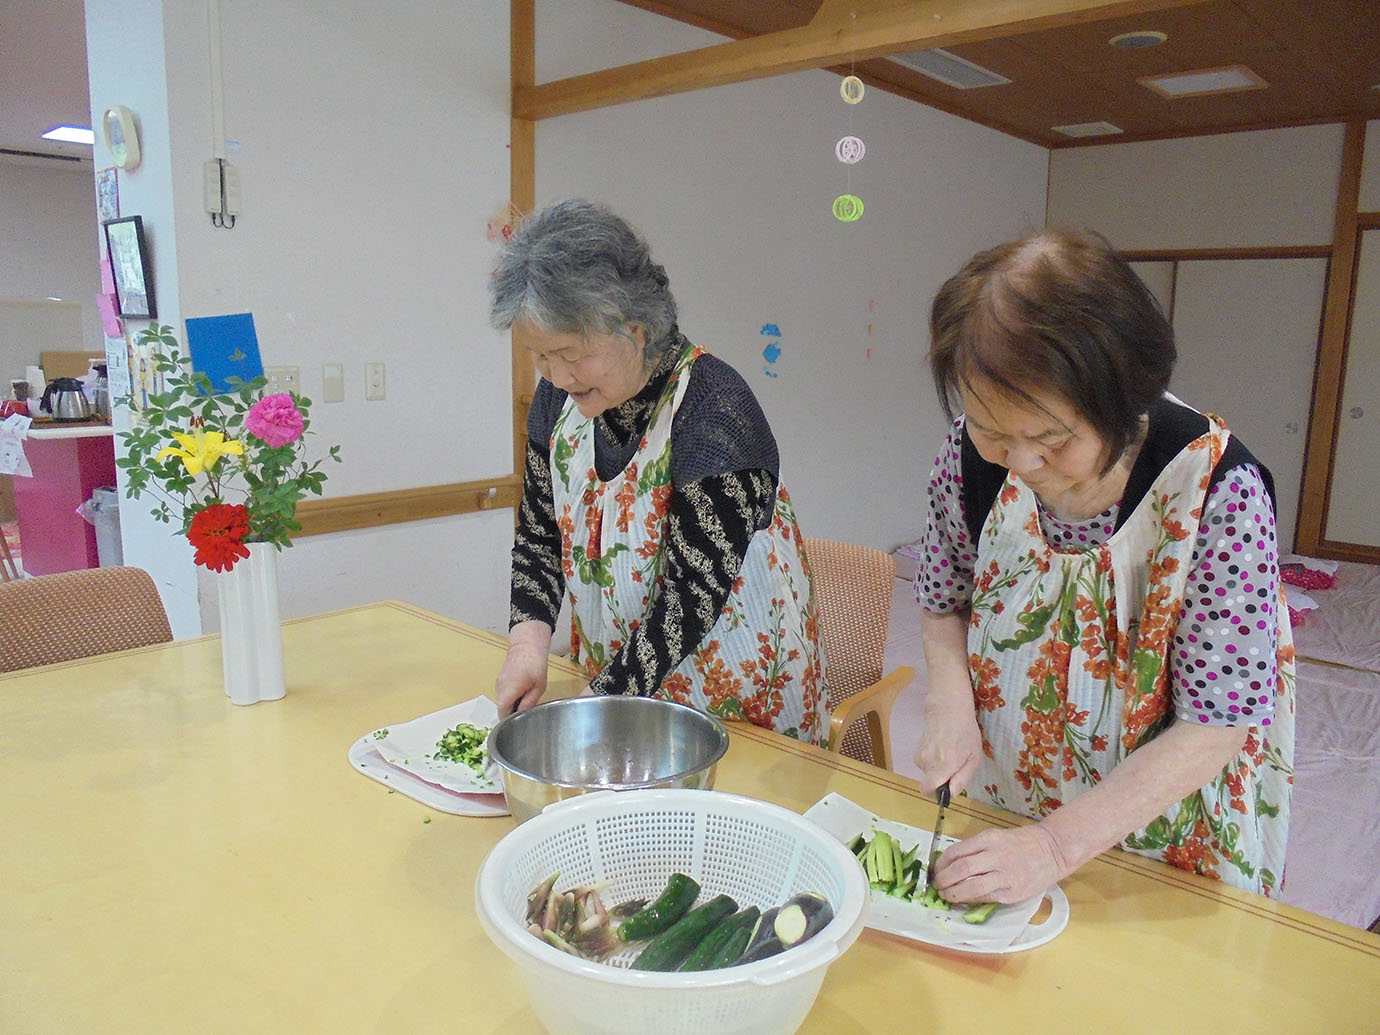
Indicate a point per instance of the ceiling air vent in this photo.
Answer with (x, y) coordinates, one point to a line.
(1087, 129)
(950, 68)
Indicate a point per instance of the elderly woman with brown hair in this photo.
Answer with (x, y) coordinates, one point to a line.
(651, 499)
(1107, 644)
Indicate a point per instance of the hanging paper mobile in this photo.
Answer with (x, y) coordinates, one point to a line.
(852, 89)
(850, 150)
(848, 208)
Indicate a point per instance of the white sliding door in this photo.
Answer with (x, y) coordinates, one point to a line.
(1248, 339)
(1353, 510)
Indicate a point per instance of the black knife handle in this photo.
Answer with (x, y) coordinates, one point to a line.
(942, 795)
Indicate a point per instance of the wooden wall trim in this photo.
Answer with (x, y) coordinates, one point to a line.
(342, 513)
(1331, 365)
(839, 33)
(1302, 251)
(522, 190)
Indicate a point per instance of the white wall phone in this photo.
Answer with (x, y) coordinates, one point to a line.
(220, 179)
(222, 183)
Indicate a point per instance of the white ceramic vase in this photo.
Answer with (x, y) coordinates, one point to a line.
(251, 638)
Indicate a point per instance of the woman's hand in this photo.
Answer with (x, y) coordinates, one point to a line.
(951, 744)
(1000, 866)
(522, 680)
(950, 747)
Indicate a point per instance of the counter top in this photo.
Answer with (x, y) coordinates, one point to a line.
(50, 431)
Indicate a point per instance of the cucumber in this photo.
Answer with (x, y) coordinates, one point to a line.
(713, 947)
(736, 945)
(670, 948)
(679, 895)
(979, 913)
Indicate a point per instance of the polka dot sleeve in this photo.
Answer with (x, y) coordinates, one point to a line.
(1223, 662)
(944, 573)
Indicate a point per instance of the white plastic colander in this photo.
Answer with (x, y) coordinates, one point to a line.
(759, 853)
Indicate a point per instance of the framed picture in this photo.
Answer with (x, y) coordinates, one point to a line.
(129, 260)
(108, 194)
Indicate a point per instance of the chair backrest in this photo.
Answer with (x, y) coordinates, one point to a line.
(853, 586)
(75, 614)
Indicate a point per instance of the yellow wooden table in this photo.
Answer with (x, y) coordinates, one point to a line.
(170, 862)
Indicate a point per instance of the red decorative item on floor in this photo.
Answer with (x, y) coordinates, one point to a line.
(1306, 578)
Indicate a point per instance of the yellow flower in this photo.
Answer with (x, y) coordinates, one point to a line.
(201, 449)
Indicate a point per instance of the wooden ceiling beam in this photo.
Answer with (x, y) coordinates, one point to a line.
(839, 33)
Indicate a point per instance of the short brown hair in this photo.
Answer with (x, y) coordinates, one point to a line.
(1056, 312)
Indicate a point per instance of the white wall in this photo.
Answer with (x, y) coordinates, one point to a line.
(372, 147)
(733, 187)
(1234, 190)
(46, 218)
(1247, 329)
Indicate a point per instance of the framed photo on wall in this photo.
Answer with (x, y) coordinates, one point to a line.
(129, 259)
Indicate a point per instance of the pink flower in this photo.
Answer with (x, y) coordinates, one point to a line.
(275, 419)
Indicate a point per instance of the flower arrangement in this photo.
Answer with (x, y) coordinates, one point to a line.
(231, 465)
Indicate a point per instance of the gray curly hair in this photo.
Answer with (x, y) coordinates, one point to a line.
(576, 268)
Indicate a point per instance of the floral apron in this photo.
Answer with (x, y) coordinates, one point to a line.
(761, 662)
(1069, 658)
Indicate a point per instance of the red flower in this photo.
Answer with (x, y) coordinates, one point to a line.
(217, 532)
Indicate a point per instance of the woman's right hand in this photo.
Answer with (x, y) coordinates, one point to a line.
(950, 749)
(951, 743)
(522, 680)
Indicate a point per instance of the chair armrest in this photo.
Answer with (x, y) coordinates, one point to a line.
(878, 698)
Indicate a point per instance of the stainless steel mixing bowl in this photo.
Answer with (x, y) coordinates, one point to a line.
(559, 749)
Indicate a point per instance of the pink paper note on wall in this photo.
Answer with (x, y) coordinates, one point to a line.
(109, 320)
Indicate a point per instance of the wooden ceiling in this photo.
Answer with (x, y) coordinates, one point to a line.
(1320, 59)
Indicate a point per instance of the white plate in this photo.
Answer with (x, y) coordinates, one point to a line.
(1009, 929)
(364, 756)
(411, 746)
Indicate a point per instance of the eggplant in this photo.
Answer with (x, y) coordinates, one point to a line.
(763, 942)
(801, 917)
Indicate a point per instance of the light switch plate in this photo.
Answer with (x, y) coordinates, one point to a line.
(332, 382)
(374, 386)
(282, 379)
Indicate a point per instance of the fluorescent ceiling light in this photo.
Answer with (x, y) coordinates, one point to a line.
(1228, 79)
(71, 135)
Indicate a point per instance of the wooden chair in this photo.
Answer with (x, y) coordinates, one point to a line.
(8, 569)
(853, 586)
(75, 614)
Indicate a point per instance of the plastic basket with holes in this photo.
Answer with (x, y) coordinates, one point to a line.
(759, 853)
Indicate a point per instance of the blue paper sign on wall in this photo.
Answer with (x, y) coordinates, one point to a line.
(223, 347)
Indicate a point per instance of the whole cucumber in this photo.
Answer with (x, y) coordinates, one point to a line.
(668, 949)
(712, 947)
(679, 895)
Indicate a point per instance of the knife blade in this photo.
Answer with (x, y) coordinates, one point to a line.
(942, 796)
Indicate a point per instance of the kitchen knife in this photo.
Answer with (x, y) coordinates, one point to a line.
(942, 796)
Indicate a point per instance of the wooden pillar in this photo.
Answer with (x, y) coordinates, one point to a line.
(522, 194)
(1331, 366)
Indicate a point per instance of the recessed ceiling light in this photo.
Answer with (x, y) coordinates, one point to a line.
(1138, 40)
(1087, 129)
(71, 135)
(1228, 79)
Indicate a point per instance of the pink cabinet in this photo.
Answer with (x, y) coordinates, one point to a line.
(68, 464)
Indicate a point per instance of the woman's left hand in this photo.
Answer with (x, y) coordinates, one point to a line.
(999, 866)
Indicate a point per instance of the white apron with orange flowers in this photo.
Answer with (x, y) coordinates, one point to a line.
(761, 662)
(1069, 658)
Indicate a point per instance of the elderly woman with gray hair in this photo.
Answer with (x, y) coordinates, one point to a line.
(651, 498)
